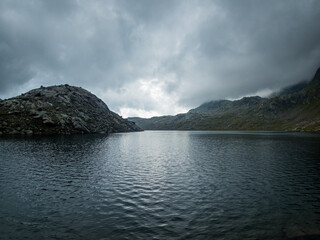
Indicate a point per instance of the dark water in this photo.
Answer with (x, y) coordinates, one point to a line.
(160, 185)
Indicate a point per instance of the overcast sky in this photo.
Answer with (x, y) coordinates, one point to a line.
(146, 58)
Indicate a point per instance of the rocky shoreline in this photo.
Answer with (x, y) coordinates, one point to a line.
(61, 109)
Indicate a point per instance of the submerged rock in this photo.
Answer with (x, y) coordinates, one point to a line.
(59, 109)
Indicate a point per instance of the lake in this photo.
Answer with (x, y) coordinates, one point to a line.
(160, 185)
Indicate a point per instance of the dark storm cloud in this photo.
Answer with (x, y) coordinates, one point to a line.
(158, 56)
(77, 43)
(259, 44)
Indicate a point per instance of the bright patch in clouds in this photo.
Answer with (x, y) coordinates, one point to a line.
(144, 98)
(129, 112)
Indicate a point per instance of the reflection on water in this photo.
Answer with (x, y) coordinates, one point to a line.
(162, 185)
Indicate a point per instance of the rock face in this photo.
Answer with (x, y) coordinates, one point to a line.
(296, 108)
(59, 109)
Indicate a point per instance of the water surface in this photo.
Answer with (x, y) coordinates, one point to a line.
(160, 185)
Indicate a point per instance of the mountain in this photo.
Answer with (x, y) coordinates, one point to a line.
(296, 108)
(59, 109)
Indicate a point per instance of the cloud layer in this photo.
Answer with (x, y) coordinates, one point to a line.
(158, 57)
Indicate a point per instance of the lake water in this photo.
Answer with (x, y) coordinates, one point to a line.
(160, 185)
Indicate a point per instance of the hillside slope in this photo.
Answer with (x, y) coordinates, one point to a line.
(59, 109)
(294, 110)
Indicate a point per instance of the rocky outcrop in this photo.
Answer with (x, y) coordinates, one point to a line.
(59, 109)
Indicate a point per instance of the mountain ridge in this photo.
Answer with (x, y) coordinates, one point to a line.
(295, 110)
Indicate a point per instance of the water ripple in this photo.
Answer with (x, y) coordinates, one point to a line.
(160, 185)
